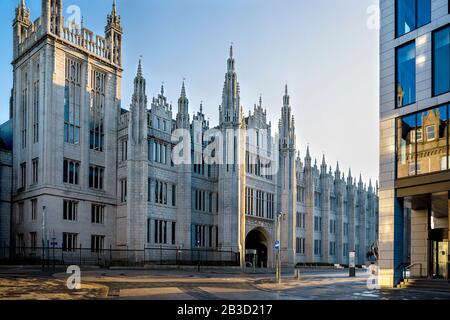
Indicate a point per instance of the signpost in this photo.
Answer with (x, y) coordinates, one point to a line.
(351, 264)
(277, 246)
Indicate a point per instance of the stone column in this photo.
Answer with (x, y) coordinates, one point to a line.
(419, 242)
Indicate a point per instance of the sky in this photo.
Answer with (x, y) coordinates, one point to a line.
(323, 49)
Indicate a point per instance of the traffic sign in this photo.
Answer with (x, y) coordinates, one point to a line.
(277, 244)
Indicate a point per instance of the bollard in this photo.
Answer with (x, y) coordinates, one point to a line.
(297, 273)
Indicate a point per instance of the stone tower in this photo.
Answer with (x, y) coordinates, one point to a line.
(137, 165)
(184, 176)
(288, 182)
(232, 171)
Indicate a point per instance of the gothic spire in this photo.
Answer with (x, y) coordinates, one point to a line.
(22, 13)
(286, 97)
(230, 109)
(323, 166)
(183, 90)
(230, 61)
(183, 109)
(139, 70)
(113, 19)
(138, 109)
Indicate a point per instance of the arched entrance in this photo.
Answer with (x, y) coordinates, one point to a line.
(256, 247)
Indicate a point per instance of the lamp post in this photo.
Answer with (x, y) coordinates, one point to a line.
(280, 215)
(44, 235)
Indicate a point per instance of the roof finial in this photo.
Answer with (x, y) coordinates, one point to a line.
(286, 89)
(201, 106)
(183, 89)
(114, 7)
(231, 50)
(139, 71)
(162, 88)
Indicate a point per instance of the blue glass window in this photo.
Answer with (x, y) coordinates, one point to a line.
(441, 58)
(406, 146)
(412, 14)
(406, 75)
(422, 142)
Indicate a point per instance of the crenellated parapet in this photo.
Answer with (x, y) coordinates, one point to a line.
(51, 23)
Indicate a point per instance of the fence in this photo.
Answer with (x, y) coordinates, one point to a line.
(52, 256)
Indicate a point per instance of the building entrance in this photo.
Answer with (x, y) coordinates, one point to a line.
(256, 249)
(440, 262)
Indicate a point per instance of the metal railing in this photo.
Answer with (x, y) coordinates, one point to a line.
(407, 270)
(56, 256)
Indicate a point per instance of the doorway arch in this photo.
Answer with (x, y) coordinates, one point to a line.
(257, 244)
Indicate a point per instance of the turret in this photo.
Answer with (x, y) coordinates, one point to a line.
(337, 172)
(21, 24)
(138, 109)
(360, 183)
(113, 36)
(183, 110)
(323, 166)
(287, 124)
(52, 17)
(349, 178)
(307, 158)
(230, 110)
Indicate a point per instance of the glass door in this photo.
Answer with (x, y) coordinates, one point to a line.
(440, 259)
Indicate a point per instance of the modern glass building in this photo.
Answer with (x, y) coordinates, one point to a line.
(414, 139)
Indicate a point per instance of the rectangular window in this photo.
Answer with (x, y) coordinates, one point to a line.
(174, 232)
(412, 14)
(36, 105)
(20, 243)
(96, 175)
(406, 75)
(97, 106)
(70, 242)
(97, 243)
(23, 175)
(72, 101)
(174, 195)
(433, 143)
(210, 236)
(20, 212)
(33, 241)
(160, 232)
(124, 149)
(34, 209)
(71, 171)
(70, 210)
(123, 190)
(317, 247)
(24, 112)
(317, 200)
(441, 61)
(35, 171)
(97, 214)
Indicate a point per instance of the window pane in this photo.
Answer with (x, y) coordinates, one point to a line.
(442, 61)
(406, 75)
(406, 147)
(433, 146)
(406, 16)
(423, 12)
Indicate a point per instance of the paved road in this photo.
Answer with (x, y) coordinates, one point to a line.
(18, 283)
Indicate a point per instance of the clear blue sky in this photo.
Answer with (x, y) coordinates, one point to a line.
(321, 48)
